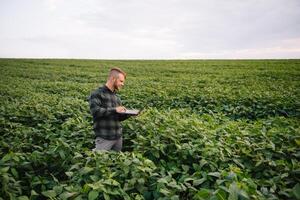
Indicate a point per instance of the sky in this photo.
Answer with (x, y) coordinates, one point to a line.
(150, 29)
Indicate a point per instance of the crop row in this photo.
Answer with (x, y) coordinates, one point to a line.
(209, 130)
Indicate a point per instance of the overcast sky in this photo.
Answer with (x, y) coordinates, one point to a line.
(150, 29)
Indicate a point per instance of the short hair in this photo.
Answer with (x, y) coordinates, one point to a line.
(115, 71)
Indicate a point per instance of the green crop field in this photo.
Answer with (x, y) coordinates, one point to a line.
(210, 129)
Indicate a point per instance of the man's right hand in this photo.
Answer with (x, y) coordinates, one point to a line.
(120, 109)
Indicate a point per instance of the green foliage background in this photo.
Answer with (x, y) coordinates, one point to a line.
(210, 129)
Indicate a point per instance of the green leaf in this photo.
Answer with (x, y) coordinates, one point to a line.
(14, 172)
(106, 196)
(163, 180)
(188, 179)
(4, 169)
(296, 190)
(6, 157)
(23, 198)
(221, 194)
(49, 193)
(141, 181)
(156, 154)
(111, 182)
(58, 189)
(54, 178)
(33, 193)
(175, 197)
(185, 168)
(238, 163)
(93, 195)
(202, 194)
(199, 181)
(94, 178)
(79, 197)
(62, 154)
(86, 170)
(202, 163)
(69, 174)
(215, 174)
(66, 195)
(96, 186)
(164, 191)
(297, 140)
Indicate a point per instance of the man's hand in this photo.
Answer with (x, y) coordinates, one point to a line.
(120, 109)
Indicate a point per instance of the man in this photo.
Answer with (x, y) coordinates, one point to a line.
(106, 109)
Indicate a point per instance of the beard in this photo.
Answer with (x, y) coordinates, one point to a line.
(116, 88)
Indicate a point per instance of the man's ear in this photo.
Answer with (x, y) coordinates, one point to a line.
(112, 79)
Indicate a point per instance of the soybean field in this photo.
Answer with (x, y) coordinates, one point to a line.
(209, 129)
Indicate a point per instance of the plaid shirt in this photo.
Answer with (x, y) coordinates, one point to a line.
(103, 103)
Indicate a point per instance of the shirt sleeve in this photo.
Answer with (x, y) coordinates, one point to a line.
(121, 117)
(97, 109)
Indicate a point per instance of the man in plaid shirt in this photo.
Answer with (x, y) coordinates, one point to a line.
(106, 109)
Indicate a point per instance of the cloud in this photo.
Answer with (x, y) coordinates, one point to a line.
(52, 4)
(152, 29)
(244, 24)
(289, 48)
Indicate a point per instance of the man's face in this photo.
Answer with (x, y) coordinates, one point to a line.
(119, 82)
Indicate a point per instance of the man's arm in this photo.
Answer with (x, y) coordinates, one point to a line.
(97, 110)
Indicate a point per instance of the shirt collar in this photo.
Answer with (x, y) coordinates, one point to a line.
(106, 88)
